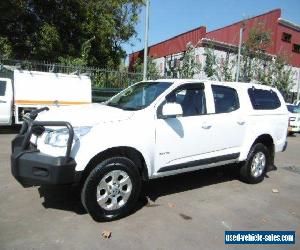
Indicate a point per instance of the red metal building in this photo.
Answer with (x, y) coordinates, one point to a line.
(285, 38)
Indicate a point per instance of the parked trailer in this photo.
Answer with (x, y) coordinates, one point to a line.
(29, 90)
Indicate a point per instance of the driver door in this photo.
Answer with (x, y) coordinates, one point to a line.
(180, 140)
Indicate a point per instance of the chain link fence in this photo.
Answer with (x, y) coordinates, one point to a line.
(101, 78)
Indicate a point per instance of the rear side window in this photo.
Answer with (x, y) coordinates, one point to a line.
(226, 99)
(263, 99)
(2, 88)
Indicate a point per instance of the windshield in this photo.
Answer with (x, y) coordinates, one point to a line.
(293, 108)
(138, 96)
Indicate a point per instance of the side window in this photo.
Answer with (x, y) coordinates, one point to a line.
(226, 99)
(2, 88)
(191, 97)
(263, 99)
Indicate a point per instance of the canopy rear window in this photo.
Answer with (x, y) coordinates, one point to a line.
(262, 99)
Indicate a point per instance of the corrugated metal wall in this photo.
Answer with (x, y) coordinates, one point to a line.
(171, 46)
(230, 35)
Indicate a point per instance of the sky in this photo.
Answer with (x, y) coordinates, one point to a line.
(168, 18)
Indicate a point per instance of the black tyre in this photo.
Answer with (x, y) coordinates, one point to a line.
(258, 161)
(111, 189)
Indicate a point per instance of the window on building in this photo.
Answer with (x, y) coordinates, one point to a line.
(296, 48)
(2, 88)
(286, 37)
(226, 99)
(263, 99)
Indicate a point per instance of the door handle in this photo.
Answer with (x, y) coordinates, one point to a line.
(206, 126)
(2, 101)
(241, 122)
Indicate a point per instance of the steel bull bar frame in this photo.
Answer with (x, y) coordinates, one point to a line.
(33, 168)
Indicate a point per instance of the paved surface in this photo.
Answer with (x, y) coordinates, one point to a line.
(189, 211)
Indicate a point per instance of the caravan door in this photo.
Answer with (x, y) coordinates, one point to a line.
(6, 98)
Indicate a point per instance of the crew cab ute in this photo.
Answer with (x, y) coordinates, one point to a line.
(149, 130)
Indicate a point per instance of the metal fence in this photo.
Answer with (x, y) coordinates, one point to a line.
(101, 78)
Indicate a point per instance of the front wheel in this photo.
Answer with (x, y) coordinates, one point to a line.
(111, 189)
(254, 169)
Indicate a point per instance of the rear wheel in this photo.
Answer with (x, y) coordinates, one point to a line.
(111, 189)
(254, 169)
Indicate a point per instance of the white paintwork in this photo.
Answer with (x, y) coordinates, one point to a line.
(33, 89)
(171, 109)
(164, 142)
(36, 86)
(6, 102)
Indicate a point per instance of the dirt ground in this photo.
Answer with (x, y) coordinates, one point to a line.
(189, 211)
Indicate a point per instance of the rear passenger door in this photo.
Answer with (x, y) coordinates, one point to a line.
(228, 124)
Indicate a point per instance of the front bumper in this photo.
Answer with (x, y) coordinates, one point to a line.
(294, 128)
(33, 168)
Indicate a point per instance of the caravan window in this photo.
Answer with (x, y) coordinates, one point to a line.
(2, 88)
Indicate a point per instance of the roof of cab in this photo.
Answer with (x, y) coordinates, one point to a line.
(236, 85)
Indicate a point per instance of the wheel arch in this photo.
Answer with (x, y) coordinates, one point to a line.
(267, 140)
(125, 151)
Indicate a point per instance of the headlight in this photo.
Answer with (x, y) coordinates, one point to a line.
(59, 137)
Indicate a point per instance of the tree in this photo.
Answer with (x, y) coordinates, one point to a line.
(225, 70)
(282, 74)
(210, 66)
(189, 66)
(256, 64)
(261, 67)
(185, 67)
(253, 54)
(152, 71)
(218, 68)
(5, 48)
(83, 59)
(52, 29)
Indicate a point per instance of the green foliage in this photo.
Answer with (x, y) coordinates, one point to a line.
(218, 68)
(189, 66)
(79, 61)
(226, 68)
(275, 72)
(283, 74)
(152, 71)
(255, 65)
(114, 79)
(51, 29)
(172, 69)
(5, 48)
(253, 51)
(48, 42)
(210, 66)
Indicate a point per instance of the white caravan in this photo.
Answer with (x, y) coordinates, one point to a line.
(30, 90)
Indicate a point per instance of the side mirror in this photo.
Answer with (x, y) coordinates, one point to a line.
(171, 110)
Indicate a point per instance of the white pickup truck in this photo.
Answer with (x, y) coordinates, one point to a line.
(151, 129)
(30, 90)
